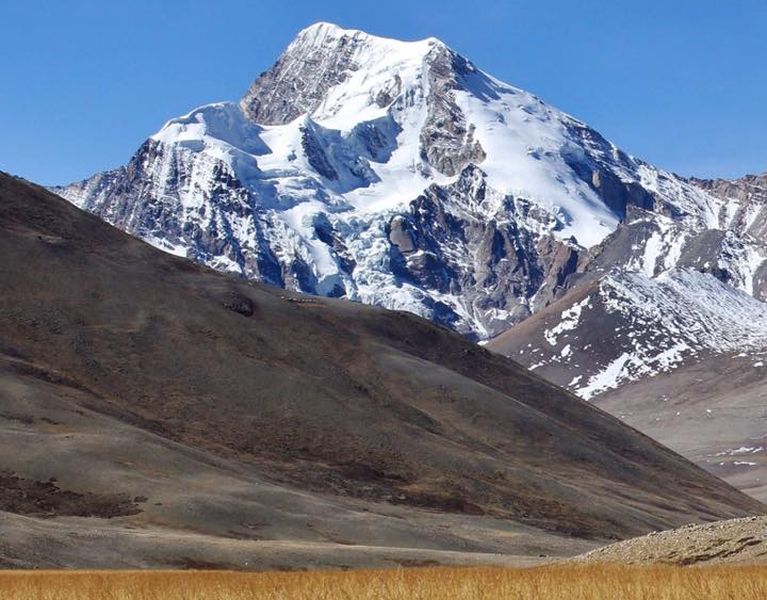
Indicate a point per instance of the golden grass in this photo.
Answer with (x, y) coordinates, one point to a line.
(601, 582)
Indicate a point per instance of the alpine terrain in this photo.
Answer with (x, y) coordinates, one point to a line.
(399, 174)
(672, 339)
(154, 412)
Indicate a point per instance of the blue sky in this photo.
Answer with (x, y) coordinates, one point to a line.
(680, 83)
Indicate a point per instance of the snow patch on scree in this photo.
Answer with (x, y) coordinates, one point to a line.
(679, 314)
(569, 320)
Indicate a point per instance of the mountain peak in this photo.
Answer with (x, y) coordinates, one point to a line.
(324, 31)
(391, 172)
(324, 55)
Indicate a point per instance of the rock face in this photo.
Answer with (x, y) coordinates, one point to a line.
(447, 140)
(319, 59)
(398, 174)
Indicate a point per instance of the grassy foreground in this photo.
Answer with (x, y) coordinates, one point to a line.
(553, 582)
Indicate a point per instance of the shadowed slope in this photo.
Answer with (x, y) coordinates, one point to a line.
(318, 394)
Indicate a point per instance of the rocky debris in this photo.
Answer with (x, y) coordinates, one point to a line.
(239, 303)
(742, 541)
(45, 499)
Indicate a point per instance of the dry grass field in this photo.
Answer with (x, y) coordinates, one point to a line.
(595, 582)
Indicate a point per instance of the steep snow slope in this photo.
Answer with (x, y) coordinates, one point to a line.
(392, 173)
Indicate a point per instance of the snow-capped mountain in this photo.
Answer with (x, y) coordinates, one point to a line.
(399, 174)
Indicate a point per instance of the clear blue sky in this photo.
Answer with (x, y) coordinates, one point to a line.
(681, 83)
